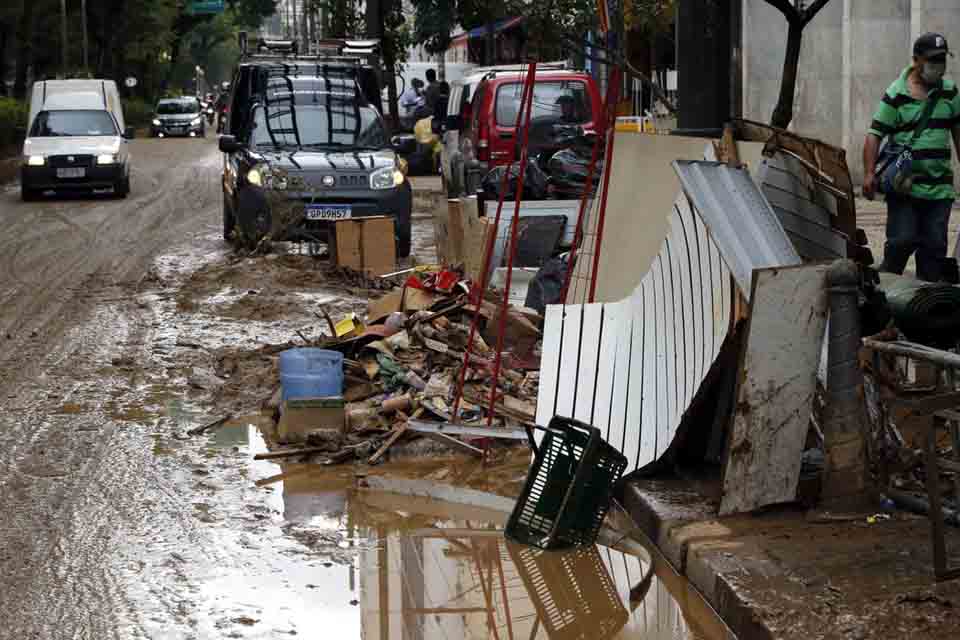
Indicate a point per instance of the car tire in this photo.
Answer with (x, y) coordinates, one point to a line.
(28, 195)
(229, 222)
(404, 234)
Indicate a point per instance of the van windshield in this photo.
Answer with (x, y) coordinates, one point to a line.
(178, 107)
(564, 102)
(338, 125)
(51, 124)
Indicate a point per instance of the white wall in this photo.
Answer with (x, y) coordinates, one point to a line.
(851, 53)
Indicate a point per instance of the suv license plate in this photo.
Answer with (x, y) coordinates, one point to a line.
(329, 211)
(72, 172)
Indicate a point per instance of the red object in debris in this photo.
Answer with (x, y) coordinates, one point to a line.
(414, 283)
(446, 281)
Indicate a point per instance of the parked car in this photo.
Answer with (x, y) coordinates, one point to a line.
(178, 117)
(76, 139)
(301, 134)
(484, 123)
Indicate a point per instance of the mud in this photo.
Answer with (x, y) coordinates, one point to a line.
(127, 323)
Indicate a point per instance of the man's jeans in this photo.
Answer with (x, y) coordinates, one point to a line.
(914, 224)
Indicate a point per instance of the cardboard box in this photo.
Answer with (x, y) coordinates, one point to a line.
(366, 244)
(303, 415)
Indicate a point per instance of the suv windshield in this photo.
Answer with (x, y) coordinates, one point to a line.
(337, 125)
(564, 102)
(50, 124)
(178, 107)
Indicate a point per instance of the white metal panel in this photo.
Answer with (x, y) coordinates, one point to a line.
(615, 315)
(788, 315)
(569, 360)
(593, 316)
(654, 349)
(549, 364)
(740, 218)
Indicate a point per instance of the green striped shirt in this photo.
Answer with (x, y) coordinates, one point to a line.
(932, 152)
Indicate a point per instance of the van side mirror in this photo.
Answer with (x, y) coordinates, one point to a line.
(404, 144)
(454, 123)
(229, 144)
(129, 133)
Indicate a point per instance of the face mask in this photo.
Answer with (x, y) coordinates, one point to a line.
(933, 72)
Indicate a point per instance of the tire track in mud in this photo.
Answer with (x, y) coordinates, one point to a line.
(71, 494)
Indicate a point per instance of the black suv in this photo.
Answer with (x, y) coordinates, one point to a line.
(304, 148)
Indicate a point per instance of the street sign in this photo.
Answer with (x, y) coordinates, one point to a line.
(131, 82)
(198, 7)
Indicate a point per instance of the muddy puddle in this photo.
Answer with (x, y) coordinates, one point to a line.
(352, 562)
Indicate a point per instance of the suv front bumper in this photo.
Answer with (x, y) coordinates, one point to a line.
(287, 209)
(169, 130)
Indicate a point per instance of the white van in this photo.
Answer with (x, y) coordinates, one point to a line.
(76, 139)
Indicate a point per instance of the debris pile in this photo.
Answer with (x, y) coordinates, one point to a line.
(402, 370)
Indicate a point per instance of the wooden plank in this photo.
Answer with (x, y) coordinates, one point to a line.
(549, 364)
(441, 219)
(398, 431)
(776, 388)
(587, 368)
(621, 379)
(569, 360)
(454, 232)
(646, 435)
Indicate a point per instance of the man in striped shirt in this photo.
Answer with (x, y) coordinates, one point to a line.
(918, 221)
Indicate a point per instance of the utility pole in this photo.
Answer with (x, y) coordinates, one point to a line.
(83, 21)
(63, 37)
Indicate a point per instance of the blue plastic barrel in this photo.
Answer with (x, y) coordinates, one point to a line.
(311, 373)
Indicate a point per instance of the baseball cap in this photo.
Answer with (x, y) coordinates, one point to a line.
(930, 45)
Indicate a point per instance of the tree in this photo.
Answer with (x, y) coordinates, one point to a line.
(798, 17)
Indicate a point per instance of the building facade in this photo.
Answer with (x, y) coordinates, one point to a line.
(851, 52)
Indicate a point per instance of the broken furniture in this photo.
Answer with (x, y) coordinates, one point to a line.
(940, 401)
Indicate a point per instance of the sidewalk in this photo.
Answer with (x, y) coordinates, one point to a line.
(786, 574)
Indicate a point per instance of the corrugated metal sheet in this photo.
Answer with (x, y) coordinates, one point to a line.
(805, 210)
(632, 367)
(739, 217)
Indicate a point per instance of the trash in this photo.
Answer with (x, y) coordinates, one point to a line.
(348, 327)
(568, 488)
(877, 517)
(302, 416)
(366, 245)
(216, 424)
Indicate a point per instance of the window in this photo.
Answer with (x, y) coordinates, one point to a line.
(51, 124)
(338, 125)
(564, 102)
(178, 107)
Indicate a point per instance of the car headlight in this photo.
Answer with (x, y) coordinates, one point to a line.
(196, 120)
(256, 175)
(156, 122)
(36, 161)
(386, 178)
(107, 158)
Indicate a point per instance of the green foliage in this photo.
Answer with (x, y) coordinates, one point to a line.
(13, 120)
(137, 112)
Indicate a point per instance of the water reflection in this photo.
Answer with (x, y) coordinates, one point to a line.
(424, 570)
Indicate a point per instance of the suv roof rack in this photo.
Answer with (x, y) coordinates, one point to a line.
(331, 49)
(562, 65)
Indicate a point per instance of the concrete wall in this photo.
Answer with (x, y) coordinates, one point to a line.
(851, 52)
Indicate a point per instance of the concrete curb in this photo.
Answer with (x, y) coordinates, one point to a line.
(704, 551)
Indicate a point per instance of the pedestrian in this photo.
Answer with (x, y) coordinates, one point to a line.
(412, 98)
(919, 113)
(432, 92)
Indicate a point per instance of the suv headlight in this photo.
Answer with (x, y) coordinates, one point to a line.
(197, 120)
(36, 161)
(386, 178)
(107, 158)
(156, 122)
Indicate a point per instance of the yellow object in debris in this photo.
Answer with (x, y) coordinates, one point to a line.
(349, 327)
(635, 124)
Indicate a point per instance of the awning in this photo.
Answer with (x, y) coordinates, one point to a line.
(480, 32)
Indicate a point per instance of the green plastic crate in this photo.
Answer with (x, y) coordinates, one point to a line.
(567, 492)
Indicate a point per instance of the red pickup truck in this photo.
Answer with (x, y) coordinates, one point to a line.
(488, 126)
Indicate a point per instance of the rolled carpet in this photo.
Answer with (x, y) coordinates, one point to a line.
(926, 312)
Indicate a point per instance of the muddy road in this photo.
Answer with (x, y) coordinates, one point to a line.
(126, 323)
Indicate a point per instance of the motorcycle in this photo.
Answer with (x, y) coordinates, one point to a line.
(222, 118)
(210, 113)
